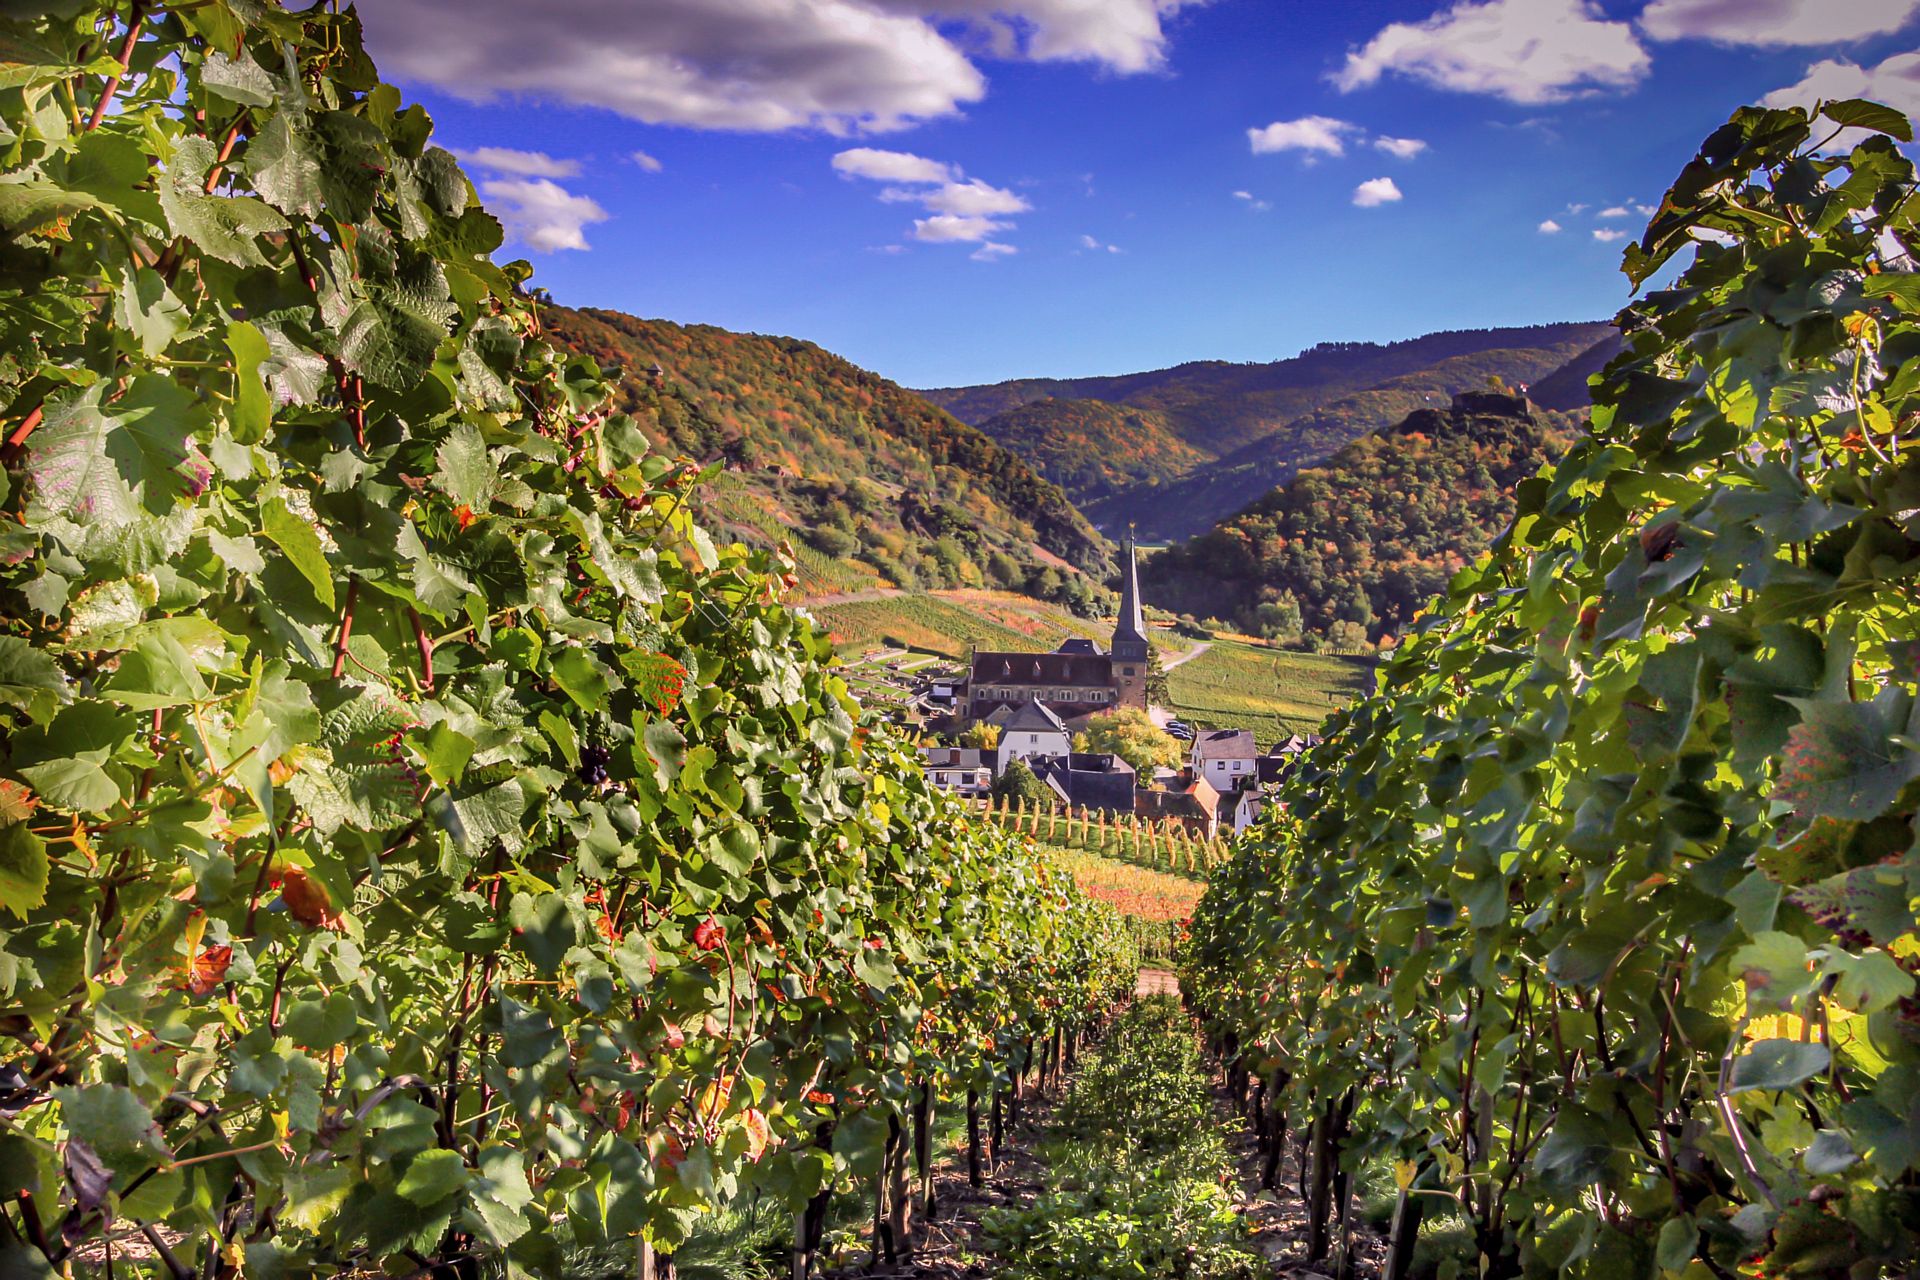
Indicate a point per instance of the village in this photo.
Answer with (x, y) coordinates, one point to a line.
(1003, 729)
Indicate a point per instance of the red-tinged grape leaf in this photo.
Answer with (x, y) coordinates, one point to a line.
(1841, 760)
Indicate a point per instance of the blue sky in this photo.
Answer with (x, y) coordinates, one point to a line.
(957, 191)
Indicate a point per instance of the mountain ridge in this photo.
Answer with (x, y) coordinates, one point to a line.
(1231, 432)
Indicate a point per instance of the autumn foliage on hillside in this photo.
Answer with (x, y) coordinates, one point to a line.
(782, 409)
(1363, 541)
(1093, 449)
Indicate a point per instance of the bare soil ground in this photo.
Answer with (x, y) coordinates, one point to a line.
(1279, 1217)
(949, 1246)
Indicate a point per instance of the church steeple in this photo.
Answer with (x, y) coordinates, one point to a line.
(1130, 632)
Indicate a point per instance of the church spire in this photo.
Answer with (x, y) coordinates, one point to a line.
(1131, 629)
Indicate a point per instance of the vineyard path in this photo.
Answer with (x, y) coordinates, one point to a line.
(1156, 982)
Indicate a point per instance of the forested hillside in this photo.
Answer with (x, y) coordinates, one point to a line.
(1358, 544)
(869, 475)
(1215, 491)
(1094, 449)
(1253, 425)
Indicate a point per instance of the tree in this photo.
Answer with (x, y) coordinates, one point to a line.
(1279, 619)
(982, 735)
(1018, 783)
(1131, 735)
(1157, 688)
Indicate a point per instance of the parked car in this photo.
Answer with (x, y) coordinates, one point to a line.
(1180, 729)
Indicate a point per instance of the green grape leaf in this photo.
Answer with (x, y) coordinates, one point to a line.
(23, 869)
(1777, 1064)
(224, 227)
(101, 463)
(299, 542)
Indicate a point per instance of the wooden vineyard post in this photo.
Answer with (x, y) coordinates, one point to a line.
(810, 1224)
(654, 1265)
(1408, 1210)
(1276, 1130)
(1320, 1185)
(974, 1177)
(923, 1145)
(1343, 1184)
(996, 1128)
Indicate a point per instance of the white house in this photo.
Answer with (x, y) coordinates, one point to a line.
(1032, 730)
(1241, 809)
(964, 771)
(1225, 756)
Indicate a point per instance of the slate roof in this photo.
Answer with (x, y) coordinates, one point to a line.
(1034, 717)
(1070, 670)
(954, 758)
(1088, 781)
(1225, 744)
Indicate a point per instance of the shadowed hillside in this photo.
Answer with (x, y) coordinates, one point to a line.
(1354, 546)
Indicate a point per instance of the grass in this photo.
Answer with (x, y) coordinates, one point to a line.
(1238, 684)
(949, 623)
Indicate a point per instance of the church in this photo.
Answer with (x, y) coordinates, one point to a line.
(1076, 679)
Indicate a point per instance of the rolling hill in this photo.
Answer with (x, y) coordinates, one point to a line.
(1092, 448)
(874, 486)
(1352, 547)
(1253, 425)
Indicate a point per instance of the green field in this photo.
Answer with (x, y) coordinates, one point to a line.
(1273, 692)
(950, 622)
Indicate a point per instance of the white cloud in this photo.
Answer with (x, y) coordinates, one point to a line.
(963, 209)
(1895, 81)
(1776, 22)
(540, 213)
(973, 197)
(845, 66)
(1375, 192)
(525, 164)
(1607, 235)
(1400, 148)
(1526, 51)
(647, 162)
(1089, 242)
(1549, 228)
(1613, 211)
(1311, 134)
(1253, 202)
(891, 166)
(946, 228)
(992, 251)
(1580, 207)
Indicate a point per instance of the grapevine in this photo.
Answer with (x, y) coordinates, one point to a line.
(1599, 924)
(419, 842)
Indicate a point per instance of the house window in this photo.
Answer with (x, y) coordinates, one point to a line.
(1126, 671)
(1033, 739)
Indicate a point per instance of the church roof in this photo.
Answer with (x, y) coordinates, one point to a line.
(1132, 625)
(1081, 670)
(1079, 645)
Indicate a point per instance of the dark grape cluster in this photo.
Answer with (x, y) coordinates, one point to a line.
(593, 765)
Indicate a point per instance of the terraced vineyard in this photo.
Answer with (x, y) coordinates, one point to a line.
(950, 622)
(1236, 684)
